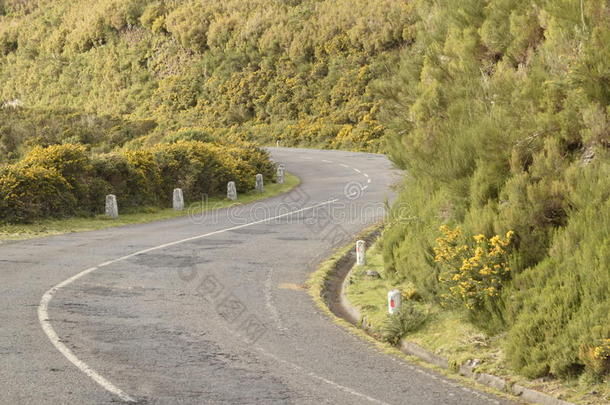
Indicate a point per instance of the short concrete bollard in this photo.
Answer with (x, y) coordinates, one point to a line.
(394, 301)
(360, 253)
(231, 191)
(259, 186)
(178, 200)
(280, 174)
(112, 208)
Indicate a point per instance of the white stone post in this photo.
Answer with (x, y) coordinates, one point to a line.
(231, 191)
(259, 183)
(360, 253)
(394, 301)
(280, 174)
(112, 208)
(178, 200)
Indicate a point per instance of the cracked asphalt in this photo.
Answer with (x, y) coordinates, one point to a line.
(219, 318)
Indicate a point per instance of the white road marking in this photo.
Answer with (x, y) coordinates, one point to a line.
(344, 165)
(43, 307)
(320, 378)
(269, 302)
(365, 175)
(368, 181)
(365, 187)
(356, 170)
(300, 369)
(43, 316)
(327, 161)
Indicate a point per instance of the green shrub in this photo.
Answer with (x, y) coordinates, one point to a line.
(8, 42)
(133, 177)
(73, 164)
(193, 166)
(22, 129)
(189, 24)
(153, 17)
(407, 319)
(29, 193)
(71, 161)
(191, 134)
(564, 309)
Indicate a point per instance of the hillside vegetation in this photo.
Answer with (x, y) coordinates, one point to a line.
(498, 110)
(296, 71)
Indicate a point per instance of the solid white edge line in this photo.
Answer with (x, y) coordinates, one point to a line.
(43, 307)
(43, 317)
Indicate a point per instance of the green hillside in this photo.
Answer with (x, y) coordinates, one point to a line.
(499, 113)
(297, 71)
(498, 110)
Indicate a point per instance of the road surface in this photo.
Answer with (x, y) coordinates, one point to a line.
(208, 308)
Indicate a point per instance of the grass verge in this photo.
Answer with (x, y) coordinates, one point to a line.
(49, 227)
(449, 334)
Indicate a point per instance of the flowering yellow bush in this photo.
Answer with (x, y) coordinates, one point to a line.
(597, 357)
(33, 192)
(71, 161)
(472, 272)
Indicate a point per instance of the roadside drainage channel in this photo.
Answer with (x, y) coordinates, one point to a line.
(335, 298)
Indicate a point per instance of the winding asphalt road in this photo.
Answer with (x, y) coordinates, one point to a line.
(207, 308)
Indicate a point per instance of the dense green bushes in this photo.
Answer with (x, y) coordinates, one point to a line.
(500, 114)
(64, 180)
(564, 298)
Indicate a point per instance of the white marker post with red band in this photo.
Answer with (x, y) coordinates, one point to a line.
(394, 301)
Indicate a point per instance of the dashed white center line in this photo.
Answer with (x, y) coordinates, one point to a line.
(327, 161)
